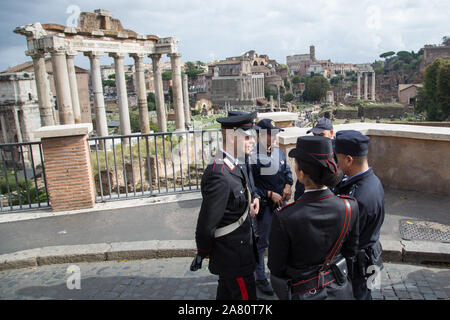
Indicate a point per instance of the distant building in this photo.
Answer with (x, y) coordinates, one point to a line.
(407, 93)
(431, 53)
(234, 82)
(82, 84)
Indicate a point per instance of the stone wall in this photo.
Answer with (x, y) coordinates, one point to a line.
(411, 164)
(346, 114)
(402, 156)
(372, 112)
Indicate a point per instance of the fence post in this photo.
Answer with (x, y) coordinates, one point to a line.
(68, 168)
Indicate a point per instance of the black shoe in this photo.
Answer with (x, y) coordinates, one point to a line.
(264, 286)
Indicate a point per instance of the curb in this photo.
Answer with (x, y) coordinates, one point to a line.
(393, 251)
(98, 252)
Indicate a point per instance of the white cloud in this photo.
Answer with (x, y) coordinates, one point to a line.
(344, 30)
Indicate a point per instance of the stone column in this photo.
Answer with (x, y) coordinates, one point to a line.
(177, 91)
(17, 124)
(187, 109)
(62, 87)
(358, 87)
(97, 90)
(73, 87)
(142, 92)
(122, 98)
(4, 133)
(373, 86)
(271, 103)
(241, 82)
(43, 90)
(279, 97)
(159, 93)
(366, 85)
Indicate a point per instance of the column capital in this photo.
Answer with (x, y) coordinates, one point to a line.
(71, 54)
(35, 54)
(174, 55)
(138, 56)
(58, 52)
(93, 54)
(117, 55)
(155, 56)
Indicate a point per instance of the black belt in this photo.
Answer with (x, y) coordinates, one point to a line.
(313, 284)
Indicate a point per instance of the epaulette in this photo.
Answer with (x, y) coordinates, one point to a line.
(346, 197)
(218, 165)
(286, 206)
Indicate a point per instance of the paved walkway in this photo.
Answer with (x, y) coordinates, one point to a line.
(138, 220)
(168, 279)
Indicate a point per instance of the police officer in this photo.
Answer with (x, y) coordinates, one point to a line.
(311, 238)
(323, 127)
(273, 182)
(361, 183)
(224, 232)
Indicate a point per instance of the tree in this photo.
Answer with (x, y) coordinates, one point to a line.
(434, 99)
(316, 88)
(288, 97)
(446, 41)
(387, 54)
(270, 92)
(296, 79)
(443, 88)
(167, 75)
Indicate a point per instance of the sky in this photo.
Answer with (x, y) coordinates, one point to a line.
(341, 30)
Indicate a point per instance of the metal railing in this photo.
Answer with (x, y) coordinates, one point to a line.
(142, 165)
(23, 185)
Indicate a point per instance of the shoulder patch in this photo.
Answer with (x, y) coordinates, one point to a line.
(286, 206)
(229, 164)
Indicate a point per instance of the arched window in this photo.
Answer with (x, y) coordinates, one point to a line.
(262, 63)
(255, 63)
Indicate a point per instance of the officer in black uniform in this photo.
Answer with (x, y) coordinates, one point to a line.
(322, 127)
(224, 232)
(312, 238)
(273, 182)
(361, 183)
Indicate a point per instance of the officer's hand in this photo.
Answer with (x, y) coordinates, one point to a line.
(277, 199)
(196, 263)
(254, 207)
(287, 192)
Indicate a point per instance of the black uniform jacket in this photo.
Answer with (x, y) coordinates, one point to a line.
(367, 189)
(224, 202)
(304, 232)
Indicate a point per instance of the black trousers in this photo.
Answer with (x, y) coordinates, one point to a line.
(241, 288)
(360, 290)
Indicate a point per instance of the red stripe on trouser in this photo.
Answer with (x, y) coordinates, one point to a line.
(243, 288)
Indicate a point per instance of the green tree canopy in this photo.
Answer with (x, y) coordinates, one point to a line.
(270, 92)
(288, 97)
(434, 98)
(166, 75)
(316, 88)
(387, 54)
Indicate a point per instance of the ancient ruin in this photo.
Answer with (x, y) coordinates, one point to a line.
(96, 35)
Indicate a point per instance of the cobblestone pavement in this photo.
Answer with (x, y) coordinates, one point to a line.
(171, 279)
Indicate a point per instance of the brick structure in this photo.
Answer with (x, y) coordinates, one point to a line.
(68, 169)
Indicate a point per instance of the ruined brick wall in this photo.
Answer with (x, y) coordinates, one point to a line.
(432, 53)
(346, 114)
(372, 112)
(69, 173)
(89, 22)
